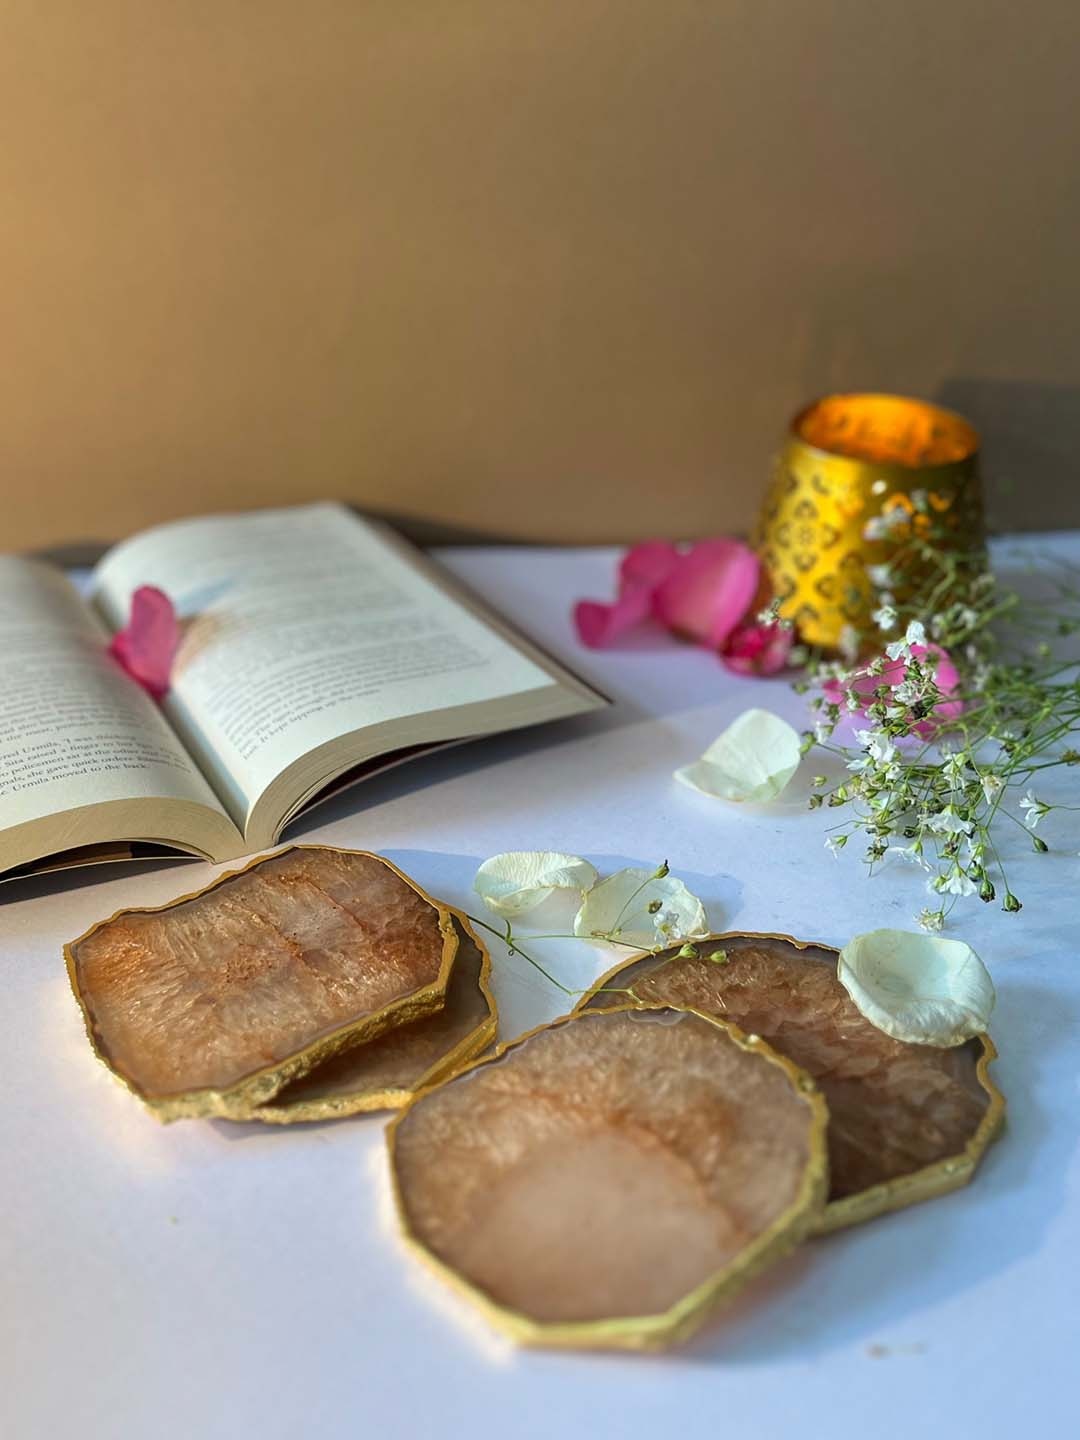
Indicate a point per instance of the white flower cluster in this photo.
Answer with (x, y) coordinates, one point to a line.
(967, 704)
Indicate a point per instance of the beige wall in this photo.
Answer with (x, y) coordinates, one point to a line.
(544, 269)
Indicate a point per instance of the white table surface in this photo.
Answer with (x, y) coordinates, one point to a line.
(205, 1280)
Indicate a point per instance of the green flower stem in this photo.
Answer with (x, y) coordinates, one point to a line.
(507, 937)
(514, 946)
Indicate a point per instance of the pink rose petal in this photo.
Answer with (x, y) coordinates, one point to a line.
(709, 591)
(647, 564)
(147, 645)
(758, 649)
(640, 570)
(599, 625)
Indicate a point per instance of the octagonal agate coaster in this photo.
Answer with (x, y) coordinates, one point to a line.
(385, 1073)
(210, 1004)
(906, 1122)
(609, 1179)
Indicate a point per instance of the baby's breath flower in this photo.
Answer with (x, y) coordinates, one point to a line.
(992, 786)
(931, 920)
(848, 643)
(953, 769)
(975, 851)
(911, 853)
(915, 634)
(877, 745)
(1034, 809)
(948, 821)
(885, 616)
(954, 882)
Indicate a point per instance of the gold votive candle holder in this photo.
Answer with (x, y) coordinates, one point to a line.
(859, 476)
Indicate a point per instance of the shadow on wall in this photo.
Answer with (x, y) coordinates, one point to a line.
(1031, 449)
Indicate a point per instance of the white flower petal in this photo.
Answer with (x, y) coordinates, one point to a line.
(619, 907)
(915, 633)
(752, 760)
(917, 988)
(519, 880)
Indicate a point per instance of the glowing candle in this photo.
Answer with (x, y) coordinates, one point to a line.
(859, 477)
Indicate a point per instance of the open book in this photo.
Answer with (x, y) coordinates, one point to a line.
(316, 648)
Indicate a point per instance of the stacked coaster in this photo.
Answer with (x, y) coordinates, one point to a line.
(313, 983)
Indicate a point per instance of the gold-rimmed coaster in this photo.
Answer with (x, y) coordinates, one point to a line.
(210, 1004)
(609, 1179)
(907, 1122)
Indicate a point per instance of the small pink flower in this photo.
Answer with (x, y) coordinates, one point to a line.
(864, 686)
(147, 645)
(758, 649)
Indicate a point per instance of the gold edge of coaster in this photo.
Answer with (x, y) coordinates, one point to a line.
(926, 1183)
(236, 1101)
(645, 1332)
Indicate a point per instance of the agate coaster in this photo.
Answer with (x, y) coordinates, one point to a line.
(384, 1074)
(210, 1004)
(906, 1122)
(607, 1180)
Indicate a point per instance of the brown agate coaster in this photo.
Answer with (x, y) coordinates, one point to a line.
(608, 1179)
(906, 1122)
(210, 1004)
(386, 1073)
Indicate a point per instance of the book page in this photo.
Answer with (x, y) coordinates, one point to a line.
(75, 731)
(301, 626)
